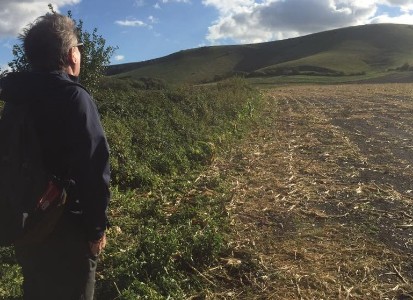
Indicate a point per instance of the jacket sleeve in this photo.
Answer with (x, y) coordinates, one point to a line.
(89, 162)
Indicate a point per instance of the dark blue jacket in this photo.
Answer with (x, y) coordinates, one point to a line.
(72, 138)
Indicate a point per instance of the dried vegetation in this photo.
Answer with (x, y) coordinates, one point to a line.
(322, 197)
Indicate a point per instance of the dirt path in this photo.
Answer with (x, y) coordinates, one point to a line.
(322, 205)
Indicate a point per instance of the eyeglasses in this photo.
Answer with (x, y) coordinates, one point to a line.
(79, 46)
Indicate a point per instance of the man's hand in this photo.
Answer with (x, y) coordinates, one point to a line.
(96, 247)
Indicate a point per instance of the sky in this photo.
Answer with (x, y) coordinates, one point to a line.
(148, 29)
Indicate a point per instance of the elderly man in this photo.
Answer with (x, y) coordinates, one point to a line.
(74, 147)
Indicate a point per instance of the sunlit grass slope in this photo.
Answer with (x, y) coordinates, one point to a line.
(360, 50)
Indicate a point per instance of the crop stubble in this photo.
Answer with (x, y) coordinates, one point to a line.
(322, 197)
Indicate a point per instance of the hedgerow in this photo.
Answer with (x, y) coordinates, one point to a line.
(168, 223)
(166, 132)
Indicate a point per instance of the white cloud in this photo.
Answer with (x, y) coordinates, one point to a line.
(17, 14)
(7, 45)
(230, 6)
(119, 57)
(5, 68)
(402, 19)
(137, 23)
(131, 23)
(249, 21)
(401, 3)
(178, 1)
(157, 5)
(152, 19)
(139, 3)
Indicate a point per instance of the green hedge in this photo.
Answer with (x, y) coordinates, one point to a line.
(158, 133)
(167, 225)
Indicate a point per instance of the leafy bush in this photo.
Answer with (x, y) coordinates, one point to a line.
(10, 275)
(166, 230)
(166, 233)
(162, 133)
(158, 244)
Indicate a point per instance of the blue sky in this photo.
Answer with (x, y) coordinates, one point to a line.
(147, 29)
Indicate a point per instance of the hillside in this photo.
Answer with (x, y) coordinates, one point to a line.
(368, 50)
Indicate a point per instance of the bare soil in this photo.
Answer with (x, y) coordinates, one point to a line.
(322, 204)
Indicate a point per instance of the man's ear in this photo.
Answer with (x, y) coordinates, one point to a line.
(72, 57)
(72, 60)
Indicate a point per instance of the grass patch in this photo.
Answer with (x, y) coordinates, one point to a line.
(271, 81)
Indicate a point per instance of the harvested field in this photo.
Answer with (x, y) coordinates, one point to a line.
(322, 204)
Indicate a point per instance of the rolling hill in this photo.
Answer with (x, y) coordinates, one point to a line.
(366, 51)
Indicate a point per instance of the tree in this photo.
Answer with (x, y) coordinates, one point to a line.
(19, 62)
(95, 55)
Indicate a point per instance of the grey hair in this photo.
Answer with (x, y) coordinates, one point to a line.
(47, 42)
